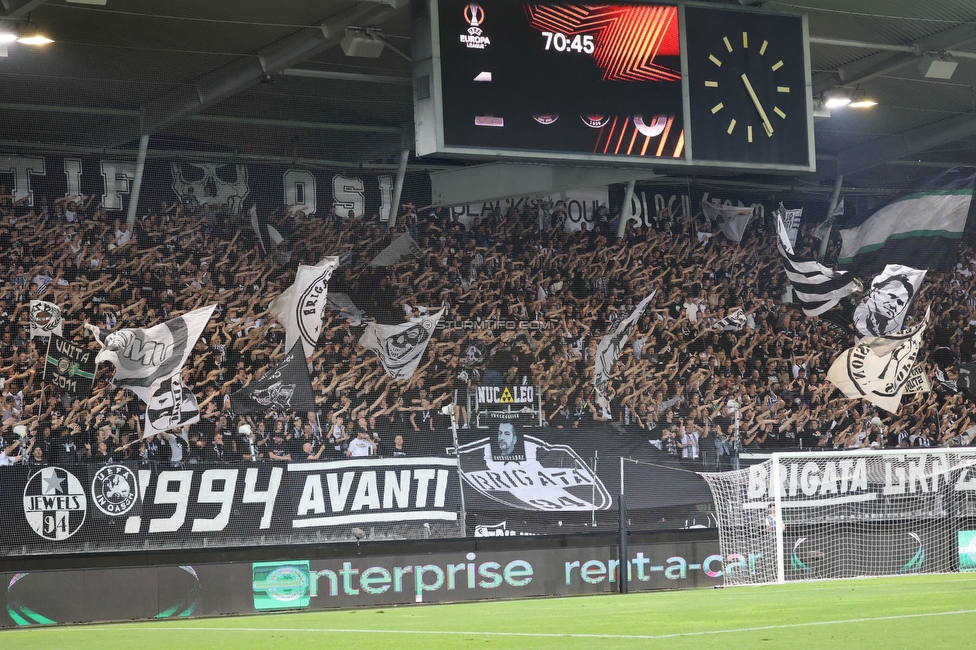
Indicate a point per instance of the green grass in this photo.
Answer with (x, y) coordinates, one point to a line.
(909, 612)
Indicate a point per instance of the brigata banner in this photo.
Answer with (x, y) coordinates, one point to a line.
(558, 474)
(120, 506)
(818, 482)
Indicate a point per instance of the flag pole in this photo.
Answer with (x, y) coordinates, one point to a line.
(834, 198)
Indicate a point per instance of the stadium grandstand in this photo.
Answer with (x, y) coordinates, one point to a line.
(285, 280)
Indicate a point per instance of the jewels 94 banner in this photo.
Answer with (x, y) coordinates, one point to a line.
(119, 506)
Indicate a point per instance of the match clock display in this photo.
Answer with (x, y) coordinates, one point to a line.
(747, 87)
(646, 83)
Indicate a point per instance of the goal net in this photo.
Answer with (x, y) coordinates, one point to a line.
(847, 515)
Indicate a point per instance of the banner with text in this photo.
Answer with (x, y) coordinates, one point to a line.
(124, 506)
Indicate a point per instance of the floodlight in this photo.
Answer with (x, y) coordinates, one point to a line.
(836, 99)
(35, 39)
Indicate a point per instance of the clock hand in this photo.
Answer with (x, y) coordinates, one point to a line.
(755, 100)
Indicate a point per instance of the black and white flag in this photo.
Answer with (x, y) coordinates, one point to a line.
(951, 384)
(918, 381)
(402, 247)
(252, 215)
(734, 322)
(878, 369)
(45, 319)
(883, 310)
(816, 287)
(285, 388)
(823, 230)
(301, 307)
(172, 405)
(732, 221)
(343, 305)
(791, 221)
(966, 383)
(401, 347)
(149, 362)
(609, 347)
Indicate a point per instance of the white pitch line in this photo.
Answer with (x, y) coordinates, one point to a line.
(570, 635)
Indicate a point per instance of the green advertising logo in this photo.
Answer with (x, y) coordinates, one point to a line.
(280, 585)
(967, 550)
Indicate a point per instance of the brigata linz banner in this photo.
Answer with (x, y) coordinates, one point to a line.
(119, 506)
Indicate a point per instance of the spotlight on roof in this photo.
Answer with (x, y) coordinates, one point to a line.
(836, 99)
(7, 37)
(360, 42)
(34, 39)
(937, 65)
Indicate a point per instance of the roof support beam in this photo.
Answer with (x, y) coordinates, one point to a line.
(884, 62)
(219, 119)
(904, 144)
(19, 8)
(193, 97)
(348, 76)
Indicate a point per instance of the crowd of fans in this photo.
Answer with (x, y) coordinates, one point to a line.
(524, 305)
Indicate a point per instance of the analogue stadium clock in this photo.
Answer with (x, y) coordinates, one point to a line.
(748, 87)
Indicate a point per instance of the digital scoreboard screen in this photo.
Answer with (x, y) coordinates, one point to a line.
(598, 79)
(622, 82)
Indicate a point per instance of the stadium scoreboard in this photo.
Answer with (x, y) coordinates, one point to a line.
(625, 83)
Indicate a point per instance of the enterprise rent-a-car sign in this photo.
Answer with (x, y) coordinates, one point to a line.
(448, 577)
(78, 595)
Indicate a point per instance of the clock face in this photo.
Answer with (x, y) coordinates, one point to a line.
(747, 87)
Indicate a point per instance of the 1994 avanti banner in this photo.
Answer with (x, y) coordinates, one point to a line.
(540, 478)
(121, 506)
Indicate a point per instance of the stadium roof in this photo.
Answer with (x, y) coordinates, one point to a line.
(269, 80)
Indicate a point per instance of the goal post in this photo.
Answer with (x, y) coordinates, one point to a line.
(847, 514)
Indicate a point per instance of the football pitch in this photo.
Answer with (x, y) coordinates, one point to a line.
(907, 612)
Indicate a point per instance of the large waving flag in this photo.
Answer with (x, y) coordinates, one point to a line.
(791, 219)
(609, 347)
(816, 287)
(301, 306)
(921, 230)
(883, 310)
(400, 347)
(734, 322)
(402, 247)
(878, 369)
(286, 387)
(732, 221)
(149, 362)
